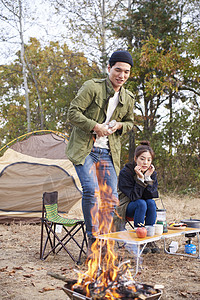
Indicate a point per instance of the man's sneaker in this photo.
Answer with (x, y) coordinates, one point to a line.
(91, 240)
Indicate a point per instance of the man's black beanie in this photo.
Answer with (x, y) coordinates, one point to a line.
(121, 56)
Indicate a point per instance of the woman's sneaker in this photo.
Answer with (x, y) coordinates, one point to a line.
(146, 249)
(153, 247)
(91, 240)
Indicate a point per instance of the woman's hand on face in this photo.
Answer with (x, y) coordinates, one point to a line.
(150, 170)
(139, 172)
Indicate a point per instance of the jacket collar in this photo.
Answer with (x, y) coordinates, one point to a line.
(111, 91)
(131, 166)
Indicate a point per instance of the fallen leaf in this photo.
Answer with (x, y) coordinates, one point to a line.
(28, 275)
(196, 293)
(17, 268)
(46, 289)
(184, 294)
(11, 272)
(4, 269)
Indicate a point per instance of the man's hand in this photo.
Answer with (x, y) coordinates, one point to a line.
(102, 130)
(117, 126)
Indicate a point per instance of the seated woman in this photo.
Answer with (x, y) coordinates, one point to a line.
(137, 188)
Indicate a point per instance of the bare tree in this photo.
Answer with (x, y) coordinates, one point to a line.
(24, 71)
(29, 65)
(12, 15)
(88, 25)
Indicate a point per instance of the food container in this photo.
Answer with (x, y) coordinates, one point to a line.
(173, 247)
(164, 224)
(158, 229)
(194, 223)
(161, 214)
(150, 230)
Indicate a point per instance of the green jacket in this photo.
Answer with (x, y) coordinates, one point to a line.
(89, 108)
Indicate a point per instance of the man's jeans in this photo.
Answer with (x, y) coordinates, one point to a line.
(99, 184)
(143, 211)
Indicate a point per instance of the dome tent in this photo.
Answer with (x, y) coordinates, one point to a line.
(33, 164)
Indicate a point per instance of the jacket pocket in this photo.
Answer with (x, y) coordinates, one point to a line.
(95, 110)
(121, 115)
(99, 102)
(82, 135)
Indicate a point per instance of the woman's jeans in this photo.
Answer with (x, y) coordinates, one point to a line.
(99, 184)
(143, 212)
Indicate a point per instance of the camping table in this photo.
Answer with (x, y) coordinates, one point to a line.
(130, 237)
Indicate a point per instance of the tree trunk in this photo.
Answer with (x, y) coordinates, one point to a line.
(131, 145)
(131, 133)
(24, 69)
(38, 93)
(130, 37)
(146, 117)
(170, 122)
(103, 39)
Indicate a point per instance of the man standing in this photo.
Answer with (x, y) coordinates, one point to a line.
(101, 112)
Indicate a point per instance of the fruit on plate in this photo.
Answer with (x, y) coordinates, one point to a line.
(176, 224)
(141, 232)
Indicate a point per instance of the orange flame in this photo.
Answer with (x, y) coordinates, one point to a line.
(102, 267)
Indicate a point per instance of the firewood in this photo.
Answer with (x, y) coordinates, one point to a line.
(61, 277)
(142, 296)
(158, 286)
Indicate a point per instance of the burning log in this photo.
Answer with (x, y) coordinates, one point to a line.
(109, 279)
(144, 292)
(123, 287)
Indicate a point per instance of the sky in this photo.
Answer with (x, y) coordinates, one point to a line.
(40, 21)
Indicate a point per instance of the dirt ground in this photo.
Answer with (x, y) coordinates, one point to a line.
(24, 276)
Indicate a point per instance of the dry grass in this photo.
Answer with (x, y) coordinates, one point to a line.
(181, 207)
(23, 275)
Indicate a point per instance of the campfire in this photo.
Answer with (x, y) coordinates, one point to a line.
(107, 277)
(104, 287)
